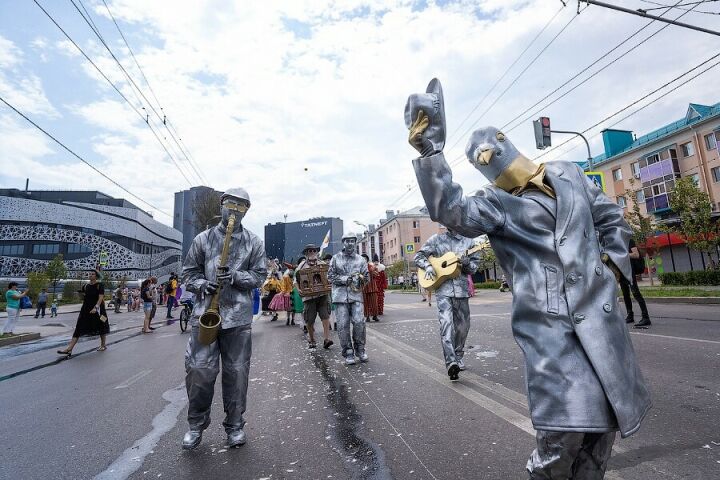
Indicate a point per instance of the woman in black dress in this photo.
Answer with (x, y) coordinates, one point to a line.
(92, 319)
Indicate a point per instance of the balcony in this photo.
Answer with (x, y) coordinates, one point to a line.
(658, 170)
(657, 204)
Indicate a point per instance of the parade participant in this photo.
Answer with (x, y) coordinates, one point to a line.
(562, 242)
(315, 305)
(382, 283)
(92, 319)
(281, 301)
(271, 287)
(451, 296)
(370, 293)
(233, 283)
(348, 273)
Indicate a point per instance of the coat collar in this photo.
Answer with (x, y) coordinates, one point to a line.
(565, 198)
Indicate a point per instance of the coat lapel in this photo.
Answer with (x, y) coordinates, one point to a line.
(565, 199)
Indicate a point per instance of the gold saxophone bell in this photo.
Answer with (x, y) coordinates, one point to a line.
(209, 322)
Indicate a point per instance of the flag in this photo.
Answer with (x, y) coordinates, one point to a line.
(325, 243)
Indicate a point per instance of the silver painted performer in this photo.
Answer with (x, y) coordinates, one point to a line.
(451, 295)
(244, 270)
(348, 273)
(562, 242)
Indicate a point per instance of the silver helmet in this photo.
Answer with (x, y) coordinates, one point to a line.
(349, 235)
(236, 193)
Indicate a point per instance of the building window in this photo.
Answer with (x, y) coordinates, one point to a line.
(46, 249)
(635, 168)
(417, 239)
(12, 250)
(617, 174)
(658, 189)
(416, 223)
(715, 172)
(652, 158)
(77, 248)
(710, 142)
(687, 149)
(622, 201)
(695, 178)
(640, 196)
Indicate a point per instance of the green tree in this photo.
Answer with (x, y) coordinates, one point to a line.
(696, 225)
(36, 281)
(487, 260)
(396, 269)
(56, 271)
(70, 291)
(643, 228)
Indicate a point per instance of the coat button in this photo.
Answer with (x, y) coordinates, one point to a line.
(598, 270)
(578, 318)
(572, 278)
(607, 308)
(562, 240)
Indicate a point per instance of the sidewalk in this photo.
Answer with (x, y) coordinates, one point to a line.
(30, 312)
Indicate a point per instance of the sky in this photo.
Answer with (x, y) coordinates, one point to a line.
(302, 102)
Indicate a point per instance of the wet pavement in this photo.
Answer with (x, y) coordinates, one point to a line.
(121, 413)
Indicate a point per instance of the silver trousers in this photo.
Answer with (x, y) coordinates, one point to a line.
(202, 363)
(346, 314)
(454, 318)
(570, 455)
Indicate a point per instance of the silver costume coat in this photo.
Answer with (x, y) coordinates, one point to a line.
(246, 259)
(341, 267)
(439, 245)
(582, 374)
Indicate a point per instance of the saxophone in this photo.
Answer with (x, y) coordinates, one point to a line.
(210, 321)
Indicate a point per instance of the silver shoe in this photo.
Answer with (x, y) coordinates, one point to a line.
(236, 438)
(461, 364)
(350, 360)
(364, 357)
(192, 439)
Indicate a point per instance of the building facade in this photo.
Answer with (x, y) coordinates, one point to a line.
(399, 235)
(650, 165)
(185, 218)
(285, 241)
(87, 228)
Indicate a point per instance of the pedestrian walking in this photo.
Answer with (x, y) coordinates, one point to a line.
(170, 291)
(92, 319)
(451, 295)
(203, 275)
(12, 297)
(118, 294)
(147, 299)
(348, 273)
(53, 308)
(637, 265)
(41, 303)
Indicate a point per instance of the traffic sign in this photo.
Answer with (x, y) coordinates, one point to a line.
(103, 258)
(409, 248)
(598, 178)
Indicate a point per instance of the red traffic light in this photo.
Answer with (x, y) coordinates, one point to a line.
(545, 121)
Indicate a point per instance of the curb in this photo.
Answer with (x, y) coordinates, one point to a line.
(22, 337)
(681, 300)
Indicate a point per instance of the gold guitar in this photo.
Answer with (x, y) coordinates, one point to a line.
(446, 267)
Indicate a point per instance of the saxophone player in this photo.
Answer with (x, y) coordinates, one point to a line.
(348, 273)
(233, 283)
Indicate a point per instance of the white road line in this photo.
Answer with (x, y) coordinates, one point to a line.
(133, 379)
(714, 342)
(132, 458)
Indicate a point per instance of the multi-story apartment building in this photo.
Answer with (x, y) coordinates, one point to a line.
(650, 165)
(399, 235)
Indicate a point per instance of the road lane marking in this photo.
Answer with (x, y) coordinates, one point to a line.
(132, 458)
(714, 342)
(133, 379)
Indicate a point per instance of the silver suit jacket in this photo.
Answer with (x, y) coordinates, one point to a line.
(437, 246)
(341, 267)
(246, 259)
(582, 374)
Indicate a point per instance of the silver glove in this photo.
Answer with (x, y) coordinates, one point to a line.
(210, 288)
(430, 273)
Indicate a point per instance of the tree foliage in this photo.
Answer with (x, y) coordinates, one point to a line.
(206, 209)
(36, 281)
(56, 271)
(696, 225)
(396, 269)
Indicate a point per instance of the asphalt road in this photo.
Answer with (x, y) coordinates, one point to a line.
(121, 413)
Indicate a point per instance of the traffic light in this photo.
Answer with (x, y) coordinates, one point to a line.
(542, 132)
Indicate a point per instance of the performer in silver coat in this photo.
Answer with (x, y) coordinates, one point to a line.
(245, 270)
(562, 242)
(451, 296)
(348, 273)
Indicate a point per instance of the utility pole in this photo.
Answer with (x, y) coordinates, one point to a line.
(590, 160)
(643, 13)
(151, 254)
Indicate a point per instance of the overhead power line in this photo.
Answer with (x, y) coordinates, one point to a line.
(647, 95)
(575, 87)
(114, 87)
(662, 5)
(69, 150)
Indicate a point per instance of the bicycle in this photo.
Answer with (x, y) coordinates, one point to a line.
(185, 315)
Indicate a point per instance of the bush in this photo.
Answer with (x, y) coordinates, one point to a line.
(697, 277)
(396, 287)
(70, 292)
(488, 285)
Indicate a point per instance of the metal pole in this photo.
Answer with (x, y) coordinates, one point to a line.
(590, 162)
(672, 257)
(151, 252)
(643, 13)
